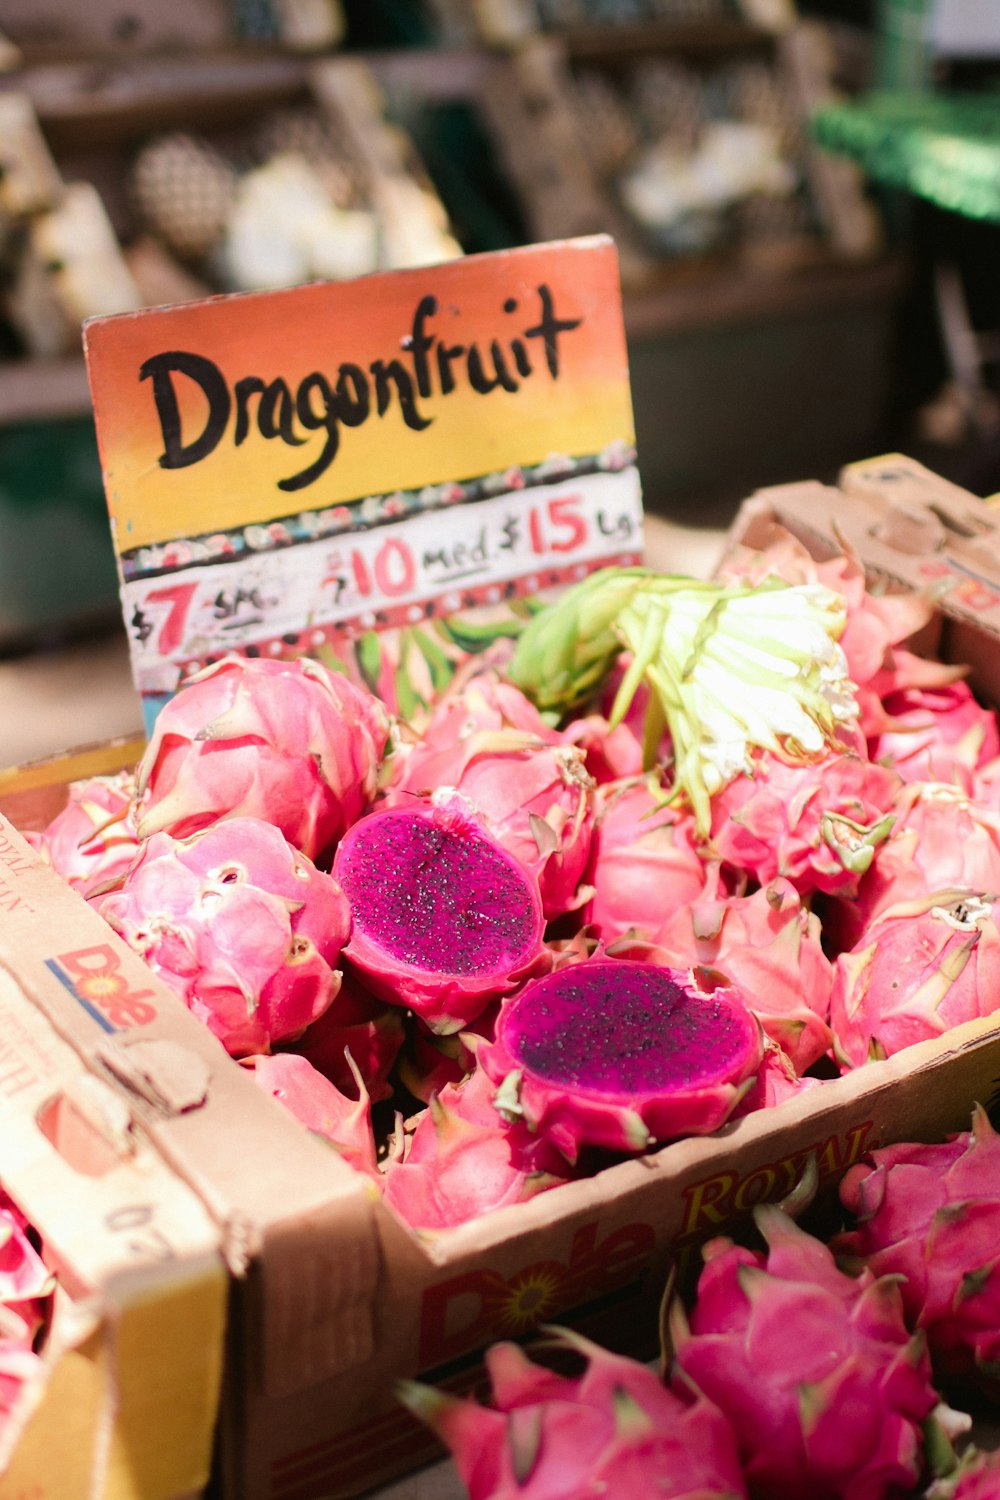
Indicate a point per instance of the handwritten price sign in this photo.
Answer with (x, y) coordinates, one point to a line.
(296, 470)
(436, 563)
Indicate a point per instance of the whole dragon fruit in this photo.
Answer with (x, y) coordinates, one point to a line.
(644, 864)
(321, 1107)
(444, 918)
(937, 734)
(93, 839)
(940, 841)
(619, 1055)
(285, 741)
(824, 1384)
(463, 1159)
(921, 967)
(615, 1430)
(931, 1216)
(240, 924)
(816, 824)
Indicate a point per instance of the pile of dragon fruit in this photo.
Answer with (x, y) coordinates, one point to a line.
(802, 1368)
(679, 851)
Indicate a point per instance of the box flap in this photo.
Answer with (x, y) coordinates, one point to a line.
(260, 1174)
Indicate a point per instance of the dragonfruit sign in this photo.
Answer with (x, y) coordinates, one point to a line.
(381, 472)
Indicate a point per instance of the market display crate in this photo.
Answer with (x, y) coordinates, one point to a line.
(125, 1400)
(332, 1296)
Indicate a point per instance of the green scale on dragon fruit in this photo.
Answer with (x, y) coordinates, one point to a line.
(620, 1055)
(445, 919)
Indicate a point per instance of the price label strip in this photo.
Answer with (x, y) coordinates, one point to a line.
(381, 473)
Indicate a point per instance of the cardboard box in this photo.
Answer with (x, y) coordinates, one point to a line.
(332, 1297)
(126, 1403)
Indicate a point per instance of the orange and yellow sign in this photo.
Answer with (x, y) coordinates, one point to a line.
(288, 469)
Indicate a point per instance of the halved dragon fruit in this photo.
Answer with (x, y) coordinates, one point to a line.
(286, 741)
(620, 1055)
(445, 919)
(240, 924)
(769, 946)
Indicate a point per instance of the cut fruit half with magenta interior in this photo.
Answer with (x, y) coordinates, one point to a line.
(621, 1055)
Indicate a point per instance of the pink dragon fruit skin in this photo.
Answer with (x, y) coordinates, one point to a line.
(533, 794)
(25, 1283)
(816, 824)
(240, 924)
(445, 919)
(930, 1214)
(940, 841)
(937, 734)
(619, 1055)
(776, 1081)
(463, 1159)
(321, 1107)
(20, 1370)
(93, 839)
(825, 1386)
(768, 946)
(922, 967)
(288, 742)
(644, 861)
(359, 1024)
(614, 1431)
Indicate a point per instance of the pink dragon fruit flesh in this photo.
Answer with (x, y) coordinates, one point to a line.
(444, 918)
(614, 1431)
(240, 924)
(930, 1214)
(768, 945)
(464, 1159)
(533, 794)
(922, 967)
(824, 1384)
(620, 1055)
(288, 742)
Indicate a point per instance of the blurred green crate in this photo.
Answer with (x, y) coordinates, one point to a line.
(57, 568)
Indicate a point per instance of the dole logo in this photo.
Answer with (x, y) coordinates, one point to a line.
(468, 1311)
(93, 977)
